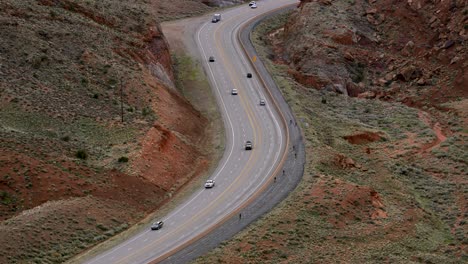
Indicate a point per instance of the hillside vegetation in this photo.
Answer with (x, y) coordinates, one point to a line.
(72, 172)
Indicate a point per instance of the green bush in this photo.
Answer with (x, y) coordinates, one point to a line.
(102, 227)
(82, 154)
(123, 159)
(146, 111)
(6, 198)
(84, 82)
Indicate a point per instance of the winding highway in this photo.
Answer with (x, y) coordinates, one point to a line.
(241, 173)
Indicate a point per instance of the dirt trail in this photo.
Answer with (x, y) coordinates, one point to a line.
(440, 137)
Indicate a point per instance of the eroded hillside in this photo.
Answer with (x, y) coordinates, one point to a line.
(72, 172)
(409, 51)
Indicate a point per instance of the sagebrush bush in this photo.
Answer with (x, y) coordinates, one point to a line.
(123, 159)
(81, 154)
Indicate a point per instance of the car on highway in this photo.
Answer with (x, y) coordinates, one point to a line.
(262, 102)
(157, 225)
(234, 91)
(253, 4)
(209, 184)
(211, 59)
(249, 75)
(216, 18)
(248, 145)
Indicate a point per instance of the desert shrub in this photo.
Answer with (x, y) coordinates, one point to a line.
(102, 227)
(81, 154)
(123, 159)
(109, 233)
(356, 71)
(5, 198)
(84, 82)
(283, 255)
(146, 111)
(112, 82)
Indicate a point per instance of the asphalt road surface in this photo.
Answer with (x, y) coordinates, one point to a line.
(242, 175)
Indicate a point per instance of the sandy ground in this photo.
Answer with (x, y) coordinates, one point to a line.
(180, 35)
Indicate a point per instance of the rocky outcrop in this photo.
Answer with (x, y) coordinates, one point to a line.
(221, 3)
(342, 202)
(317, 47)
(361, 46)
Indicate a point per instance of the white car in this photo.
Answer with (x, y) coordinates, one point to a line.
(234, 91)
(209, 184)
(253, 4)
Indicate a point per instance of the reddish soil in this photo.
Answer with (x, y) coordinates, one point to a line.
(363, 138)
(343, 203)
(440, 137)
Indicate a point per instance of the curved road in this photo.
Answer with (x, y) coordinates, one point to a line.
(241, 173)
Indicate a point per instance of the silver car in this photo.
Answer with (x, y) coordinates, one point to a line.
(209, 184)
(157, 225)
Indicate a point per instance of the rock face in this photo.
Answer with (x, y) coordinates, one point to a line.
(366, 47)
(319, 47)
(221, 3)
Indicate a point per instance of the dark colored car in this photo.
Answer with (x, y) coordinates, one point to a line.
(249, 75)
(157, 225)
(248, 145)
(216, 18)
(211, 59)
